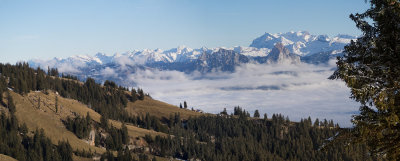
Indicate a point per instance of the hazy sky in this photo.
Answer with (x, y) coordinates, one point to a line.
(46, 29)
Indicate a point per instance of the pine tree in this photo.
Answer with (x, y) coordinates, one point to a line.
(134, 95)
(88, 118)
(124, 133)
(180, 105)
(316, 123)
(185, 104)
(256, 114)
(10, 105)
(104, 122)
(65, 151)
(141, 94)
(224, 112)
(1, 95)
(56, 104)
(371, 68)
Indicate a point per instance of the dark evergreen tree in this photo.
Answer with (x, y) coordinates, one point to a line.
(2, 89)
(185, 104)
(371, 68)
(80, 126)
(316, 123)
(256, 114)
(124, 134)
(88, 118)
(141, 94)
(15, 142)
(224, 112)
(65, 150)
(56, 104)
(134, 95)
(104, 122)
(10, 103)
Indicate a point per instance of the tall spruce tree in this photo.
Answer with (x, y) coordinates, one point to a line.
(141, 94)
(256, 114)
(134, 95)
(371, 68)
(2, 86)
(10, 105)
(56, 104)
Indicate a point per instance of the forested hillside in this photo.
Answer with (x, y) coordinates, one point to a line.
(107, 121)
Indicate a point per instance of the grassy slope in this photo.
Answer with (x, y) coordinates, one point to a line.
(6, 158)
(46, 118)
(158, 109)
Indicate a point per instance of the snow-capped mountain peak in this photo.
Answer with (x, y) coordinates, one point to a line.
(302, 42)
(290, 47)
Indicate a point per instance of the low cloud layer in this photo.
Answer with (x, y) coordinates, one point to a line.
(297, 91)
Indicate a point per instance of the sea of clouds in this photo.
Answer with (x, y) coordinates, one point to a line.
(297, 91)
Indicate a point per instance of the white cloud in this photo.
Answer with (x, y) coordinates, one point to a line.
(298, 91)
(108, 72)
(123, 60)
(67, 68)
(63, 67)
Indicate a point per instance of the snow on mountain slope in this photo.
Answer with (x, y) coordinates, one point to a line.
(303, 43)
(251, 51)
(300, 43)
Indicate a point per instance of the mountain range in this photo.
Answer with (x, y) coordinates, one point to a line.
(282, 48)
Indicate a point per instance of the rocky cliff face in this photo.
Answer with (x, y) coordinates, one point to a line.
(281, 55)
(222, 60)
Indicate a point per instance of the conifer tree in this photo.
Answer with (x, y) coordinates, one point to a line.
(371, 68)
(185, 104)
(124, 133)
(1, 95)
(224, 112)
(134, 95)
(316, 123)
(141, 94)
(10, 103)
(88, 118)
(104, 122)
(56, 104)
(180, 105)
(256, 114)
(65, 151)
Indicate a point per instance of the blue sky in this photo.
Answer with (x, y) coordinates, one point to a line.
(45, 29)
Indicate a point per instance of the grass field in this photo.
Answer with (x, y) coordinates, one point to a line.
(158, 109)
(6, 158)
(38, 111)
(46, 117)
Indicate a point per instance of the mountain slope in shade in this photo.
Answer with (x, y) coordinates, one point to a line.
(281, 55)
